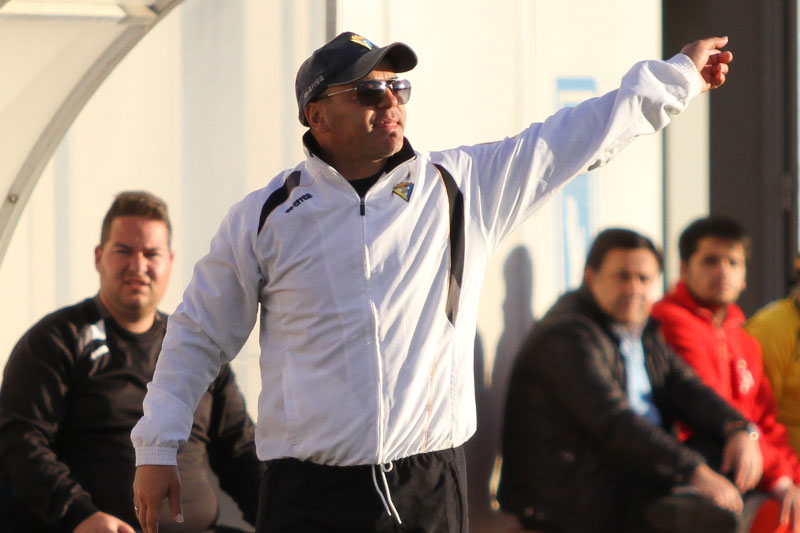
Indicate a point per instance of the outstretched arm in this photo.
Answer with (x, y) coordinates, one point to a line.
(712, 62)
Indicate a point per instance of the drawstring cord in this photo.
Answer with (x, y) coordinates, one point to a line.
(388, 504)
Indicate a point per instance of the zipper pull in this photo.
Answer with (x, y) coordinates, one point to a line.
(363, 208)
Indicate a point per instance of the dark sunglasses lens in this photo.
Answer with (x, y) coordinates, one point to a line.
(402, 90)
(371, 92)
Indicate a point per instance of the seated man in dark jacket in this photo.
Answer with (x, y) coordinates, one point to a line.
(593, 397)
(73, 389)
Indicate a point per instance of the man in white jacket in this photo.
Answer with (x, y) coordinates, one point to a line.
(364, 264)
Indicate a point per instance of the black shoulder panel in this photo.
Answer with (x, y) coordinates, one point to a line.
(277, 197)
(457, 243)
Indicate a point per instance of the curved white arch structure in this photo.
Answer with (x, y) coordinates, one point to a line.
(54, 55)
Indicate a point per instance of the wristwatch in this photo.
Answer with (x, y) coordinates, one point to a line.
(740, 425)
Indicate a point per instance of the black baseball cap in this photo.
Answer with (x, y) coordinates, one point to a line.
(345, 59)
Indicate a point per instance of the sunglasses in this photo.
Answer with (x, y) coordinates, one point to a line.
(371, 92)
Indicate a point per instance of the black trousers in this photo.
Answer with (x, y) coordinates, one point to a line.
(428, 491)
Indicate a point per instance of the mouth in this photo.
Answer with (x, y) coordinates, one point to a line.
(721, 286)
(136, 283)
(387, 124)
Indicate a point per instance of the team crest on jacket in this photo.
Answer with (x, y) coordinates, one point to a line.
(403, 190)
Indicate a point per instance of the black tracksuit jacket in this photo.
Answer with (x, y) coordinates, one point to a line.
(71, 393)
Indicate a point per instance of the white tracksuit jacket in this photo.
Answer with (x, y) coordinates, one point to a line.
(368, 309)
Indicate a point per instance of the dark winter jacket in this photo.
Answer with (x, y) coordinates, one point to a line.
(571, 443)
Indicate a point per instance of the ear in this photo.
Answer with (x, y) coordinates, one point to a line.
(170, 263)
(684, 267)
(98, 252)
(316, 117)
(588, 276)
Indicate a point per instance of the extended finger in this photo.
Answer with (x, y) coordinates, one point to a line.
(738, 504)
(796, 516)
(174, 500)
(753, 475)
(137, 510)
(712, 43)
(150, 514)
(152, 518)
(717, 81)
(720, 57)
(742, 475)
(786, 509)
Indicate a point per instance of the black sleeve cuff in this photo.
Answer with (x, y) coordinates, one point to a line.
(78, 511)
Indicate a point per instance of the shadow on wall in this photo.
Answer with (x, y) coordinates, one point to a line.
(483, 449)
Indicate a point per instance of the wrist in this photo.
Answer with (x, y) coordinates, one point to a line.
(78, 511)
(781, 485)
(690, 71)
(743, 426)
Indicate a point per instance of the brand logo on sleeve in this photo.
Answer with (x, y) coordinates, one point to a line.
(93, 338)
(404, 190)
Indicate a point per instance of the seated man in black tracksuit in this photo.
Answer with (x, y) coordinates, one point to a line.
(594, 394)
(73, 389)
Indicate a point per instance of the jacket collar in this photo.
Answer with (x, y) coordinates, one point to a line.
(583, 301)
(406, 153)
(110, 322)
(681, 296)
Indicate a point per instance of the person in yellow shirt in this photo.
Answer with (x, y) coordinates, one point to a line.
(777, 328)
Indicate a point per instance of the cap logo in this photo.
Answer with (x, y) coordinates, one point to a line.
(403, 190)
(314, 85)
(363, 41)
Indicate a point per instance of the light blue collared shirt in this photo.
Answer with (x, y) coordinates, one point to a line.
(640, 392)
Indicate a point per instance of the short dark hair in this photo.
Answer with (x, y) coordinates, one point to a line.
(720, 227)
(136, 204)
(615, 238)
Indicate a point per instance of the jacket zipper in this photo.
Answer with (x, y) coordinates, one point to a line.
(376, 348)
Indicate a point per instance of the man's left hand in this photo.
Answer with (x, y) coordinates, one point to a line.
(742, 456)
(711, 61)
(790, 506)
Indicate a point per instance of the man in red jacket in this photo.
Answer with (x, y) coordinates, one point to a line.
(700, 319)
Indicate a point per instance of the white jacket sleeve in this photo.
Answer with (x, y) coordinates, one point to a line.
(507, 180)
(209, 327)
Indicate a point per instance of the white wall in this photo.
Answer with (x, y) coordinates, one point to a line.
(200, 112)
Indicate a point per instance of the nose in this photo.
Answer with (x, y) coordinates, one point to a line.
(389, 99)
(138, 263)
(635, 286)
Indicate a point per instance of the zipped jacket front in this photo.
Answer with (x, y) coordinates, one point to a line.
(368, 308)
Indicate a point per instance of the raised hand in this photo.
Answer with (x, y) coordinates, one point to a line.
(711, 61)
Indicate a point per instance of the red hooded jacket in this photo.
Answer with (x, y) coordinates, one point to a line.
(728, 359)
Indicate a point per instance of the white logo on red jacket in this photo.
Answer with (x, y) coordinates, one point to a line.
(746, 381)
